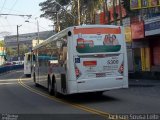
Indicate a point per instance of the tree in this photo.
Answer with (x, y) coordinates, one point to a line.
(68, 7)
(1, 43)
(11, 52)
(23, 49)
(51, 9)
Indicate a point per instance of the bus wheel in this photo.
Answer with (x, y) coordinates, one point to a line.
(50, 88)
(34, 79)
(55, 90)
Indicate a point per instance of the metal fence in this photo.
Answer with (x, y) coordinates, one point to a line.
(5, 69)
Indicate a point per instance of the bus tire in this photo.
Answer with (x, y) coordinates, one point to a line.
(34, 79)
(55, 93)
(50, 87)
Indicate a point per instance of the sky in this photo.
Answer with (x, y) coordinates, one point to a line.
(8, 23)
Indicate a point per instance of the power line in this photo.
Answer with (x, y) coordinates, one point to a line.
(39, 25)
(17, 15)
(12, 6)
(3, 5)
(7, 25)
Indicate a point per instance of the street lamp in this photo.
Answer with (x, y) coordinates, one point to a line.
(18, 40)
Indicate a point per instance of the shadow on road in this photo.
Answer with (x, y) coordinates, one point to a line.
(89, 98)
(81, 98)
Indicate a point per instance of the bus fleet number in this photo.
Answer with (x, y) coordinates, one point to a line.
(112, 62)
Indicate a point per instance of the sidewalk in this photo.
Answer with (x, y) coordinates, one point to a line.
(143, 82)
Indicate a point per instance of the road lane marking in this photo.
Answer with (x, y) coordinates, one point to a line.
(81, 107)
(78, 106)
(7, 83)
(13, 80)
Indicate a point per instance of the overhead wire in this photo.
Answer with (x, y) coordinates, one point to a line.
(3, 6)
(9, 12)
(1, 11)
(12, 6)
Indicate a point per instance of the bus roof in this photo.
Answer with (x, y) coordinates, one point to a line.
(52, 38)
(65, 32)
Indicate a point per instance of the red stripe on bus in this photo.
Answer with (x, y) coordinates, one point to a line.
(97, 30)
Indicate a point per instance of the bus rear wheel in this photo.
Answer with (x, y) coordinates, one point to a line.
(50, 88)
(34, 79)
(55, 93)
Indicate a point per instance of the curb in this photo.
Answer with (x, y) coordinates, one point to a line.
(1, 74)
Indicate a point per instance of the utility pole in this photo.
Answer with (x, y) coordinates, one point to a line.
(38, 31)
(104, 10)
(57, 23)
(18, 40)
(120, 10)
(107, 12)
(114, 13)
(78, 10)
(57, 20)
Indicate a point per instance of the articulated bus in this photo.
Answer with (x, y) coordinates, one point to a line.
(80, 59)
(27, 64)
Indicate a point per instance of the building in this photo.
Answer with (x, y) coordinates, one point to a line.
(26, 39)
(142, 35)
(2, 55)
(146, 49)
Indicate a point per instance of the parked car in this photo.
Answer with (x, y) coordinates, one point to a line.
(17, 62)
(7, 64)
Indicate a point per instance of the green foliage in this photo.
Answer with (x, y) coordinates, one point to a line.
(23, 49)
(87, 10)
(11, 52)
(1, 43)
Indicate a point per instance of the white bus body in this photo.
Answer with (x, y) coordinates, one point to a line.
(27, 64)
(81, 59)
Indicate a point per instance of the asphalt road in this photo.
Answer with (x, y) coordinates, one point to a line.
(16, 98)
